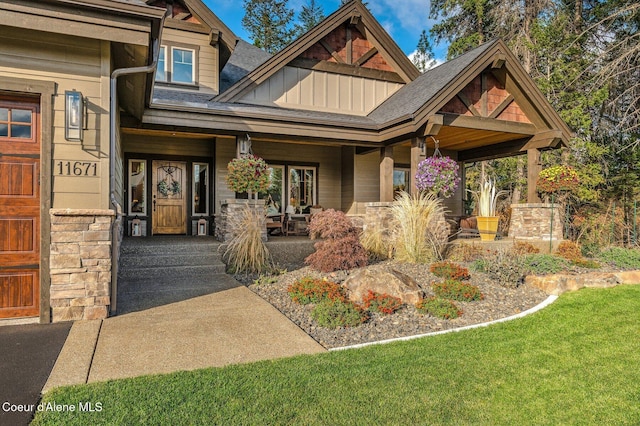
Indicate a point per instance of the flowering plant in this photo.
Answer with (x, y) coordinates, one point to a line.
(557, 178)
(248, 174)
(438, 175)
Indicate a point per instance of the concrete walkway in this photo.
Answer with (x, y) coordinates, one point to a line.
(228, 327)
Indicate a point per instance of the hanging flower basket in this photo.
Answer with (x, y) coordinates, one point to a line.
(438, 175)
(248, 174)
(557, 178)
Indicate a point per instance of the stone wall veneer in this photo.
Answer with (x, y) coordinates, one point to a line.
(80, 264)
(533, 221)
(233, 207)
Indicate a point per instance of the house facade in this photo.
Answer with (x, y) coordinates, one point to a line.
(120, 117)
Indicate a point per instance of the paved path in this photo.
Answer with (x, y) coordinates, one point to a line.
(227, 327)
(27, 355)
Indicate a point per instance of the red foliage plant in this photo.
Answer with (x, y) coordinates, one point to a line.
(383, 303)
(312, 290)
(340, 247)
(449, 270)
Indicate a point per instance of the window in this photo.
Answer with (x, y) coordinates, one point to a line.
(16, 123)
(401, 180)
(137, 187)
(177, 65)
(200, 189)
(161, 71)
(302, 187)
(275, 191)
(182, 70)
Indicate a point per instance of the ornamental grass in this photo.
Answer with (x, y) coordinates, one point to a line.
(246, 251)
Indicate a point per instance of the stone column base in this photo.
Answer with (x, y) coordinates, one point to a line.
(80, 264)
(532, 221)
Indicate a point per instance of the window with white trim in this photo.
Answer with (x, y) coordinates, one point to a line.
(161, 70)
(177, 64)
(302, 187)
(137, 187)
(200, 189)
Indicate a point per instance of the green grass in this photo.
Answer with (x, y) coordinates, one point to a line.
(575, 362)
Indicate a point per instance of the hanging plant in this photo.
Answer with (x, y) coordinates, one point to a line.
(248, 174)
(557, 178)
(439, 175)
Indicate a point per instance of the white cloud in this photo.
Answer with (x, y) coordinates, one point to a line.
(413, 15)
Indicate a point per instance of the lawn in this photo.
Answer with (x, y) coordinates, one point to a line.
(575, 362)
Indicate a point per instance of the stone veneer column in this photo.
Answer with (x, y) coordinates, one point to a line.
(533, 221)
(233, 207)
(80, 261)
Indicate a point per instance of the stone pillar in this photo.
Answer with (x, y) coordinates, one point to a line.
(532, 221)
(386, 174)
(80, 264)
(232, 207)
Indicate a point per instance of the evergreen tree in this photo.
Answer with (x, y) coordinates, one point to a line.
(310, 16)
(424, 59)
(268, 23)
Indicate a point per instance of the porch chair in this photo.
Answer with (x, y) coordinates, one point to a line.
(275, 222)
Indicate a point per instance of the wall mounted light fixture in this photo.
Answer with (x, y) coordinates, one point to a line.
(74, 115)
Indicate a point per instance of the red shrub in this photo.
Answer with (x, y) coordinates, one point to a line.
(340, 248)
(383, 303)
(449, 270)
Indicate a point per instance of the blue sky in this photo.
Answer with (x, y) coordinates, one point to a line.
(403, 19)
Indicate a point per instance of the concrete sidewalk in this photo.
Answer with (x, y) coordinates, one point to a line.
(228, 327)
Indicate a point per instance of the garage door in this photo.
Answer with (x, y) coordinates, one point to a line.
(19, 207)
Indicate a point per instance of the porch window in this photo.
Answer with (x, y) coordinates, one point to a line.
(137, 187)
(273, 195)
(200, 189)
(182, 70)
(302, 187)
(401, 180)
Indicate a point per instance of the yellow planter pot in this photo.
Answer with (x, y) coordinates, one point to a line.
(488, 227)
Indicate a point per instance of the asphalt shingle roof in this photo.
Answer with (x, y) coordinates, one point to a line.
(245, 58)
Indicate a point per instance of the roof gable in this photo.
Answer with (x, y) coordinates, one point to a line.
(487, 82)
(350, 39)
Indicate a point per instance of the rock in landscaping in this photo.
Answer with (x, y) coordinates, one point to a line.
(557, 284)
(391, 282)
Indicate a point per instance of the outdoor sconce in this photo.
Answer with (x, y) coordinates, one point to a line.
(202, 227)
(423, 147)
(135, 228)
(244, 145)
(74, 115)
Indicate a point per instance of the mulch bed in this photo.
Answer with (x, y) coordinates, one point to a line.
(499, 302)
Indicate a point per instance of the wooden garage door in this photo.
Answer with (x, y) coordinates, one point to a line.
(19, 207)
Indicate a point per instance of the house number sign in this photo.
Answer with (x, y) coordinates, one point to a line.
(76, 168)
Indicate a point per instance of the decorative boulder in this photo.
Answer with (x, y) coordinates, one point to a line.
(391, 282)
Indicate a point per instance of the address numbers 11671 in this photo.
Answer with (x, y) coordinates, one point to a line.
(76, 168)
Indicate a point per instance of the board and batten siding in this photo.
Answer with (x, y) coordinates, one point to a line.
(327, 158)
(302, 88)
(73, 63)
(207, 61)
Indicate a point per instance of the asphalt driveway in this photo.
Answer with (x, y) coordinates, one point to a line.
(27, 355)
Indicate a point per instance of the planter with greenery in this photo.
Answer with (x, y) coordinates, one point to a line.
(486, 200)
(248, 174)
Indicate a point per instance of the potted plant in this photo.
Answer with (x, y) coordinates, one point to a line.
(486, 201)
(438, 175)
(248, 174)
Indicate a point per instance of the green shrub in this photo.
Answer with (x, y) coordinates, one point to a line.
(382, 303)
(438, 307)
(312, 290)
(541, 264)
(505, 268)
(586, 263)
(457, 290)
(449, 270)
(334, 313)
(621, 257)
(245, 251)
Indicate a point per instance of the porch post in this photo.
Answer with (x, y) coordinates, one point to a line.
(417, 145)
(534, 166)
(386, 173)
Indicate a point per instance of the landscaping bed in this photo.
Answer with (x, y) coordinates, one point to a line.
(499, 302)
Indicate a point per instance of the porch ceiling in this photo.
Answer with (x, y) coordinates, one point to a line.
(459, 139)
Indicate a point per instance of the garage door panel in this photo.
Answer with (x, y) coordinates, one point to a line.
(19, 208)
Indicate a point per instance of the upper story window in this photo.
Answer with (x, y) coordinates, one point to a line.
(177, 64)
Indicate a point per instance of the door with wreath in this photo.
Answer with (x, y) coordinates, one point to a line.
(169, 202)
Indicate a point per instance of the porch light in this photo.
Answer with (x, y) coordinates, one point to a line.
(74, 114)
(202, 227)
(244, 144)
(135, 228)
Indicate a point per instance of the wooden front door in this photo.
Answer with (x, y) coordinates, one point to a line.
(169, 203)
(19, 208)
